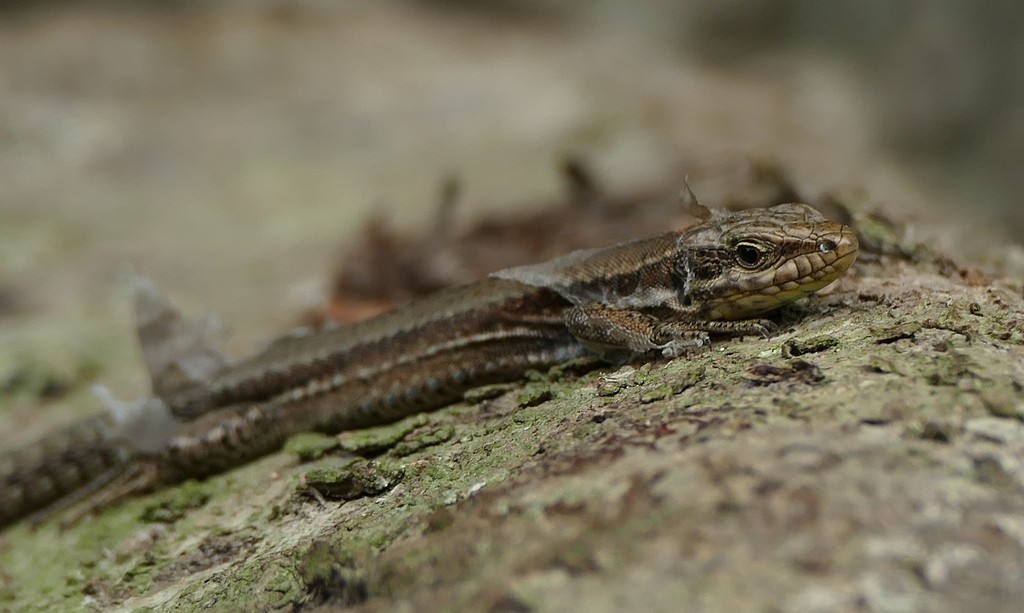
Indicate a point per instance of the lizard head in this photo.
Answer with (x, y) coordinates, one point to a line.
(740, 265)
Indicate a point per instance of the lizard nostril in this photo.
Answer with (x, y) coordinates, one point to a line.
(826, 245)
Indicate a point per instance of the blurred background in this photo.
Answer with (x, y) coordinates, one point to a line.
(230, 149)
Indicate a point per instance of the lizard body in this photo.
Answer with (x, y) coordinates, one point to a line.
(661, 294)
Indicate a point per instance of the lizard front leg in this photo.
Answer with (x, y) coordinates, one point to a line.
(610, 331)
(678, 332)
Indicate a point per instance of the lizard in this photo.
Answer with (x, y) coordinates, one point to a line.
(662, 295)
(384, 267)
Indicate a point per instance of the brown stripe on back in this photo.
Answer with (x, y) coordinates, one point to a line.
(293, 360)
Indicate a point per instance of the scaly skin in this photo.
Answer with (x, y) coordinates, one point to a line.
(663, 294)
(63, 463)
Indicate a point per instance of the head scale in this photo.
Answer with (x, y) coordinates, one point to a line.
(741, 265)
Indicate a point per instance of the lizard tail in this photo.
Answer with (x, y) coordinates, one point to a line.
(59, 469)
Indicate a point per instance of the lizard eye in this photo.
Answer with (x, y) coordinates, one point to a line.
(749, 255)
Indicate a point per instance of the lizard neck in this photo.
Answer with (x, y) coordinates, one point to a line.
(632, 275)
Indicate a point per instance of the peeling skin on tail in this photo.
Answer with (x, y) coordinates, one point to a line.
(180, 354)
(178, 351)
(144, 426)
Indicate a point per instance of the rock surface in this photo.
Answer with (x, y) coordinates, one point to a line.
(868, 457)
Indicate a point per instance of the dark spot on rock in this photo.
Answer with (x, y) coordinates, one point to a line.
(211, 552)
(797, 347)
(311, 446)
(907, 329)
(532, 397)
(440, 520)
(989, 471)
(356, 479)
(486, 392)
(422, 439)
(176, 503)
(330, 577)
(507, 603)
(935, 431)
(875, 421)
(796, 371)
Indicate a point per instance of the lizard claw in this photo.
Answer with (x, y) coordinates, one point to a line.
(681, 345)
(766, 328)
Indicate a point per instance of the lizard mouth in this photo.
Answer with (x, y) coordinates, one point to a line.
(818, 263)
